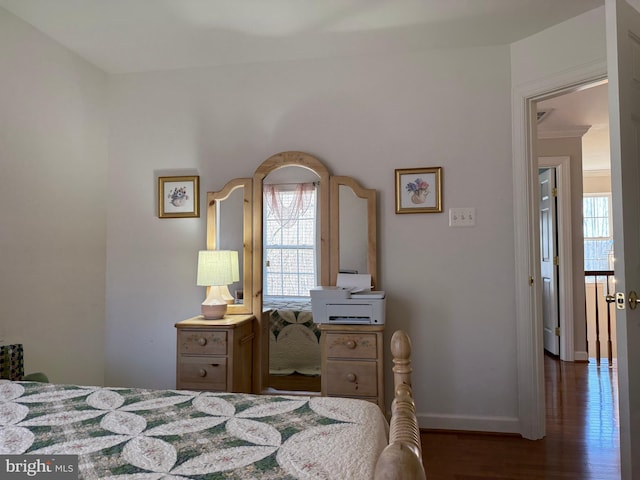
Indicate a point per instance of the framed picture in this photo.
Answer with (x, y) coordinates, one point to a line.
(419, 190)
(178, 197)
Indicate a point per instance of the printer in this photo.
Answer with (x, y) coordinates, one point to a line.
(348, 304)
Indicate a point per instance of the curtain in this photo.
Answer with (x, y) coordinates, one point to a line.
(287, 203)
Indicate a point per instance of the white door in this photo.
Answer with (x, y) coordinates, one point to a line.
(623, 65)
(548, 263)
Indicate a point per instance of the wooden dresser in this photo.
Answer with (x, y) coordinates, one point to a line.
(352, 362)
(215, 355)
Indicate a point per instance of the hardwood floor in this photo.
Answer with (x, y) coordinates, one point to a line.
(582, 441)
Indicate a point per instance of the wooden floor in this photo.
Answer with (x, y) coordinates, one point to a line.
(582, 441)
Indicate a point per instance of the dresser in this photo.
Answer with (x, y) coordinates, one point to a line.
(215, 355)
(352, 361)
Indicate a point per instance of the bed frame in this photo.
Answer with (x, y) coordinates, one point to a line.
(402, 458)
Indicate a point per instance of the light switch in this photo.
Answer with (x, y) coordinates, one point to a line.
(462, 217)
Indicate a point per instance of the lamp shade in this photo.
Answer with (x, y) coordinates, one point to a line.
(216, 270)
(217, 267)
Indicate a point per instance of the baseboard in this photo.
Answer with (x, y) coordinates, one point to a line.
(580, 357)
(466, 423)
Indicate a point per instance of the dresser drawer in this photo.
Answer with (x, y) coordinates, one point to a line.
(203, 373)
(351, 345)
(351, 378)
(202, 342)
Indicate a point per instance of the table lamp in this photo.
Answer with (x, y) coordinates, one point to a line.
(216, 270)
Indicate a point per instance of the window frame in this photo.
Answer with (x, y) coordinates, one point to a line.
(314, 247)
(610, 226)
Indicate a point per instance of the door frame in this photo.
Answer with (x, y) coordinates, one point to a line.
(531, 400)
(562, 166)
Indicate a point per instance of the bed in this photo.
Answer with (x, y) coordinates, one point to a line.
(132, 433)
(294, 344)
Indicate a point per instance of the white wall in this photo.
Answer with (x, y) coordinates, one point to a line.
(575, 43)
(450, 288)
(53, 164)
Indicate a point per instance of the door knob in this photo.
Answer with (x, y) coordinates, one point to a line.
(633, 299)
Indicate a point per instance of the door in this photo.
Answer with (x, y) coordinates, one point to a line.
(623, 65)
(548, 260)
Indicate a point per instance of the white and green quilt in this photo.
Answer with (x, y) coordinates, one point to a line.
(142, 434)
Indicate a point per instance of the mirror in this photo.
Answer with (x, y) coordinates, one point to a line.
(345, 241)
(289, 366)
(353, 229)
(229, 227)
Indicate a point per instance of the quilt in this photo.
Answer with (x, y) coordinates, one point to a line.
(140, 434)
(294, 343)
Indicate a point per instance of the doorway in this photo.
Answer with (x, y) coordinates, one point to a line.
(528, 301)
(575, 123)
(559, 310)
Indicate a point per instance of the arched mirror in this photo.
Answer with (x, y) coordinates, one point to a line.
(353, 229)
(300, 227)
(230, 227)
(291, 255)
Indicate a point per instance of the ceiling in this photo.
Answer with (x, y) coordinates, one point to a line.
(122, 36)
(572, 112)
(125, 36)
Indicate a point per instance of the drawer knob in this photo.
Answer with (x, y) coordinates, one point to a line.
(203, 372)
(202, 341)
(351, 377)
(351, 344)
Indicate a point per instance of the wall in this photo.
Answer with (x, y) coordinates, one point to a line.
(452, 289)
(597, 181)
(53, 149)
(555, 51)
(572, 148)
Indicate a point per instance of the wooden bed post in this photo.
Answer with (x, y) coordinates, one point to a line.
(402, 458)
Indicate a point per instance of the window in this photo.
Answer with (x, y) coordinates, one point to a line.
(289, 239)
(598, 234)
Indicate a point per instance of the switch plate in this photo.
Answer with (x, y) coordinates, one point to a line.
(462, 217)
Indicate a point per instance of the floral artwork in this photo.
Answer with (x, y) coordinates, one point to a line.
(178, 197)
(419, 190)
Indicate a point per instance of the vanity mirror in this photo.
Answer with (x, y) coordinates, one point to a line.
(229, 227)
(300, 227)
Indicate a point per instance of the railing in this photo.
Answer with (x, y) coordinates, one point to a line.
(598, 290)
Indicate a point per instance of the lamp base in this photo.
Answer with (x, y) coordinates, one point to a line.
(214, 312)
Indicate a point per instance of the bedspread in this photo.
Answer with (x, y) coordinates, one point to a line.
(294, 343)
(129, 433)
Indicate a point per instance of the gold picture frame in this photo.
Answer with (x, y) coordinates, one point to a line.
(179, 197)
(419, 190)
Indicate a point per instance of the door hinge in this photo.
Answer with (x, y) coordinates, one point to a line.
(556, 260)
(557, 331)
(530, 281)
(554, 192)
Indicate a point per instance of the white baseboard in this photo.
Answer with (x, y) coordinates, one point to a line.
(580, 356)
(469, 423)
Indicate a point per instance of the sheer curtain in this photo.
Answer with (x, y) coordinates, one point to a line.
(287, 203)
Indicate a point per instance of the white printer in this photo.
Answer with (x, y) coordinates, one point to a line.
(348, 304)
